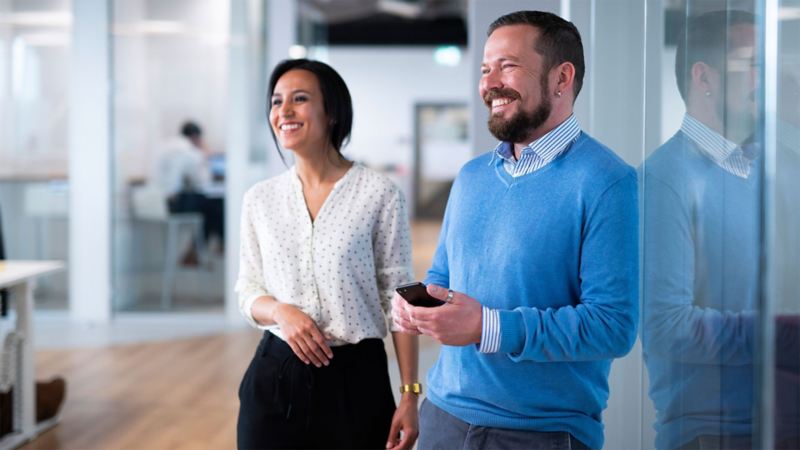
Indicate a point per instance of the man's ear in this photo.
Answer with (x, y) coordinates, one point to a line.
(566, 77)
(700, 75)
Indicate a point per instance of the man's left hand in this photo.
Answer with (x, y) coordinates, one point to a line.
(456, 323)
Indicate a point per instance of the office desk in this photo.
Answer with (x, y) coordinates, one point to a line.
(19, 277)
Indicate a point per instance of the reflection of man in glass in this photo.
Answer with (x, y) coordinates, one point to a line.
(701, 244)
(787, 254)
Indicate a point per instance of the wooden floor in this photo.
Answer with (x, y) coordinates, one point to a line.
(164, 395)
(180, 394)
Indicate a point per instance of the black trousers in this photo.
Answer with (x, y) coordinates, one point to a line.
(212, 210)
(285, 403)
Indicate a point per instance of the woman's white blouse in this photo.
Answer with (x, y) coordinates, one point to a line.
(342, 268)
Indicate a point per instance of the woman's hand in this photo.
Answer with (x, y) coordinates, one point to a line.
(302, 335)
(405, 419)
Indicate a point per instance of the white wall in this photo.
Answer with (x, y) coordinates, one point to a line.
(385, 84)
(161, 80)
(672, 107)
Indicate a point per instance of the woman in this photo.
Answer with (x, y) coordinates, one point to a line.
(323, 246)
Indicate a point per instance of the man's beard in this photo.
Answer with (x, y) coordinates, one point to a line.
(522, 124)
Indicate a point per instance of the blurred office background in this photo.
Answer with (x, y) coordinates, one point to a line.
(91, 89)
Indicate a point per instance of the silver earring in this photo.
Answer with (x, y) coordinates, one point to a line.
(558, 94)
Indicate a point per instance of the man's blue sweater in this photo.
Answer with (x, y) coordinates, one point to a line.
(556, 251)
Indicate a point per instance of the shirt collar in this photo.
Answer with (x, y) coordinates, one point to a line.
(713, 144)
(547, 147)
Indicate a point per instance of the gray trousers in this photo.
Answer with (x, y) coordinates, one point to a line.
(439, 430)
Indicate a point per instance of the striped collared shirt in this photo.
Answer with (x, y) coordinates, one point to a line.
(723, 152)
(534, 156)
(540, 152)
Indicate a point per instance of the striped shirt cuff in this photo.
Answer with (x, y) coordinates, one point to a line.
(490, 331)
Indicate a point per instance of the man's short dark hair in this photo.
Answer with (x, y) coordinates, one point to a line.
(191, 130)
(559, 40)
(705, 38)
(335, 97)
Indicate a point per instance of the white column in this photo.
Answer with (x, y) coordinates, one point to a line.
(282, 29)
(6, 103)
(771, 306)
(616, 76)
(614, 38)
(90, 163)
(238, 150)
(247, 123)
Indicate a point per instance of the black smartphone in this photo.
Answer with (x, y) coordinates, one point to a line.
(416, 294)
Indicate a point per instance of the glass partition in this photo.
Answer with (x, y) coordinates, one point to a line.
(34, 114)
(703, 213)
(784, 223)
(170, 66)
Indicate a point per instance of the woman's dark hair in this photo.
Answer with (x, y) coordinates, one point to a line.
(559, 40)
(335, 98)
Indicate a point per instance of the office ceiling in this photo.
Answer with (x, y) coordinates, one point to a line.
(386, 22)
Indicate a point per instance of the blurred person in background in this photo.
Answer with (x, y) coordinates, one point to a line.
(182, 173)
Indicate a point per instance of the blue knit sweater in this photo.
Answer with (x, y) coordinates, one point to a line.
(701, 254)
(556, 251)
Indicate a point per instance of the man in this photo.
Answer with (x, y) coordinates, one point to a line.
(702, 239)
(183, 175)
(539, 252)
(182, 163)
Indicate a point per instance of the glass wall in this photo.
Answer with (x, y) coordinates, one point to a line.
(34, 113)
(170, 70)
(783, 380)
(719, 229)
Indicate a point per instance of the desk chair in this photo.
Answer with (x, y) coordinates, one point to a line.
(148, 204)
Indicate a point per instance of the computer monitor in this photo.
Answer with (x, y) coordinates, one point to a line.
(216, 164)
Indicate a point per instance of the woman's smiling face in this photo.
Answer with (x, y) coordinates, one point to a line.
(297, 113)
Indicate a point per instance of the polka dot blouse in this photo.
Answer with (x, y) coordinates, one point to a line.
(340, 269)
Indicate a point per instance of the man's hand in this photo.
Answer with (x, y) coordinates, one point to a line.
(456, 323)
(400, 315)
